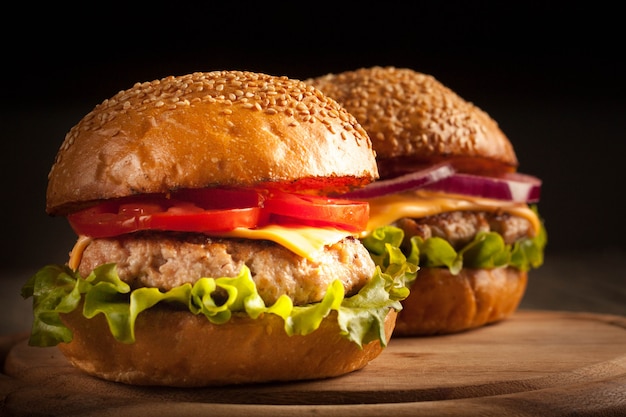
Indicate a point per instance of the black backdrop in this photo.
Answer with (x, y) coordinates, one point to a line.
(551, 75)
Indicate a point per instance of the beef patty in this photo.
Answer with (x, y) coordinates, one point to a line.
(165, 261)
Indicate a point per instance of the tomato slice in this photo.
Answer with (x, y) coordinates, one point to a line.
(113, 219)
(217, 210)
(190, 218)
(285, 208)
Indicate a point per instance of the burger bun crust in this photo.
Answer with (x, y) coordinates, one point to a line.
(223, 128)
(413, 119)
(441, 303)
(180, 349)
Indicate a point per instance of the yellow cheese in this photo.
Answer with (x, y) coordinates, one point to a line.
(304, 241)
(417, 204)
(77, 252)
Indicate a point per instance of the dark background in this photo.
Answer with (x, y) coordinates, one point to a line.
(551, 75)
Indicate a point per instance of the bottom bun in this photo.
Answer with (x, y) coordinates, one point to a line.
(180, 349)
(441, 303)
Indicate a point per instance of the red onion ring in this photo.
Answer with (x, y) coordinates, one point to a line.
(402, 183)
(515, 187)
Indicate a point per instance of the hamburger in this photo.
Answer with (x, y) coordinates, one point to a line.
(208, 250)
(449, 182)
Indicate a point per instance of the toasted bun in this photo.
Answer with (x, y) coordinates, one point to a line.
(413, 119)
(177, 348)
(441, 303)
(224, 128)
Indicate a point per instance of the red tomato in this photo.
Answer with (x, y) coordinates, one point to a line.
(285, 208)
(217, 210)
(110, 219)
(104, 221)
(182, 219)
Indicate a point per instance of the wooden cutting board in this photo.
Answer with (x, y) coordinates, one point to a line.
(535, 363)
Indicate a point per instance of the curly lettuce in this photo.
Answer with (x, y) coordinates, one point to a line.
(487, 250)
(57, 289)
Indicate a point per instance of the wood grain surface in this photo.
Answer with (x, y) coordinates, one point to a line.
(535, 363)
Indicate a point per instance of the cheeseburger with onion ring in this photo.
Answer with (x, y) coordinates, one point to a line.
(208, 251)
(449, 181)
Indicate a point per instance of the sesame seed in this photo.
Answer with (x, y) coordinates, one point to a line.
(403, 110)
(251, 91)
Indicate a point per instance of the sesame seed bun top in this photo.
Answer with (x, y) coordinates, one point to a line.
(413, 119)
(226, 128)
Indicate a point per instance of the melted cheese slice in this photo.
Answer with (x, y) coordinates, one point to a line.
(303, 241)
(417, 204)
(77, 252)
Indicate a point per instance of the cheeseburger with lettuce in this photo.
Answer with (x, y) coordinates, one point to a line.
(449, 181)
(208, 250)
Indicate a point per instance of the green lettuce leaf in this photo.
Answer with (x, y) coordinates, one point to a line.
(487, 250)
(56, 289)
